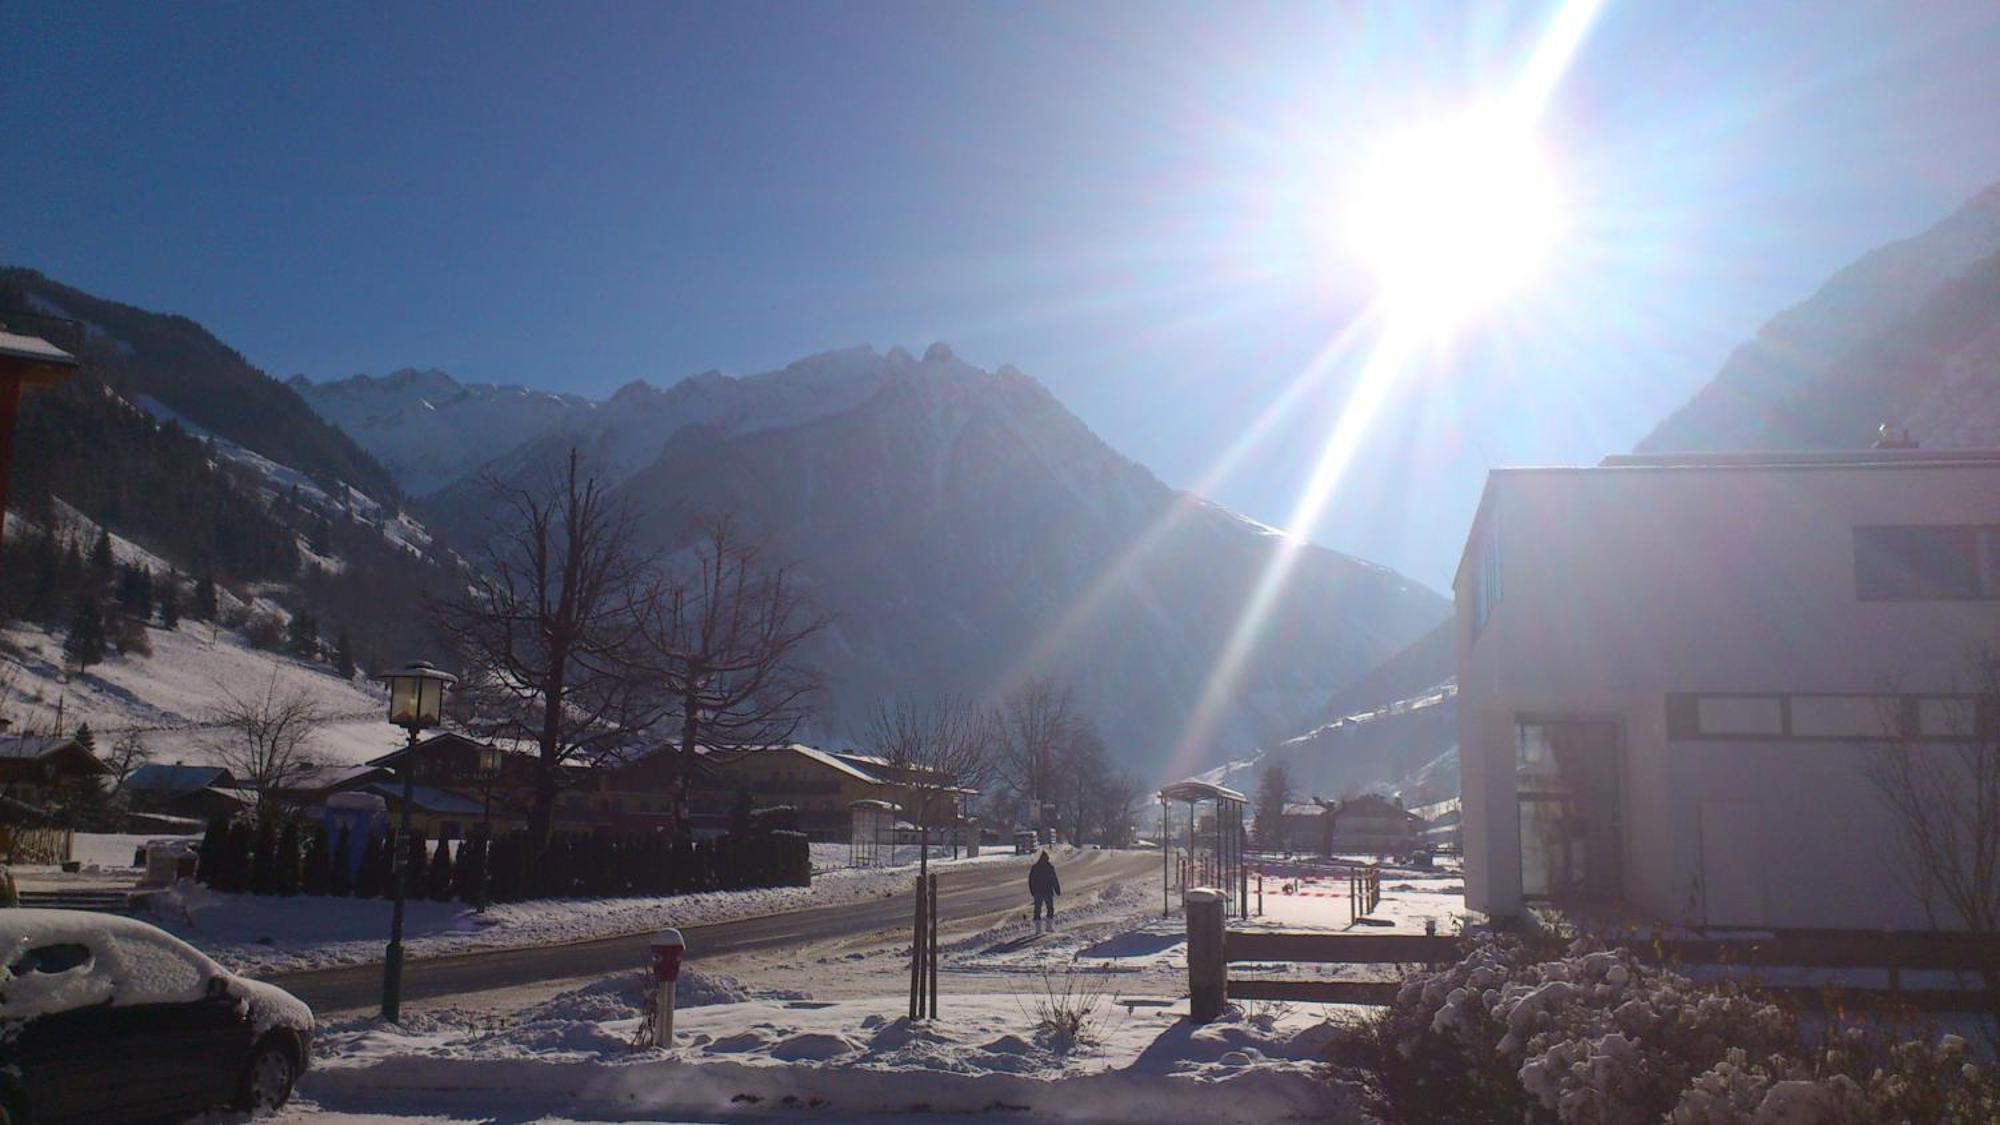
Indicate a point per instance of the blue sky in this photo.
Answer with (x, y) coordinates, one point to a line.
(1124, 200)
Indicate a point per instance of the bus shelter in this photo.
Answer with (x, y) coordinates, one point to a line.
(1203, 847)
(872, 842)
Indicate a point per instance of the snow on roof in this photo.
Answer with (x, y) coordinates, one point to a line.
(16, 346)
(833, 762)
(26, 748)
(173, 778)
(1196, 790)
(1305, 810)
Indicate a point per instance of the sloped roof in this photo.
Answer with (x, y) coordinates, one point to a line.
(1195, 790)
(1305, 810)
(176, 778)
(430, 799)
(42, 747)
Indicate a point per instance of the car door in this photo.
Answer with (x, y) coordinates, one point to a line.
(86, 1064)
(193, 1036)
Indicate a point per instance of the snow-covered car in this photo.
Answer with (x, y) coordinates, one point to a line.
(107, 1018)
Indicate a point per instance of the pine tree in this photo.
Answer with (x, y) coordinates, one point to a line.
(264, 861)
(340, 880)
(170, 603)
(304, 634)
(739, 816)
(204, 598)
(368, 878)
(102, 567)
(239, 858)
(85, 737)
(343, 656)
(322, 537)
(415, 866)
(214, 841)
(288, 860)
(438, 879)
(314, 880)
(85, 643)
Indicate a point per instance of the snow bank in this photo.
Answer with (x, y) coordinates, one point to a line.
(855, 1057)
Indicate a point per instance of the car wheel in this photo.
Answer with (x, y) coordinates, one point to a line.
(267, 1081)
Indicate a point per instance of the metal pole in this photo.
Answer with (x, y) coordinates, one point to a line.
(486, 848)
(1166, 863)
(392, 959)
(917, 953)
(931, 928)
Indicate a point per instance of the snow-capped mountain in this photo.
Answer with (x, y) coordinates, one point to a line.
(433, 431)
(968, 531)
(1909, 334)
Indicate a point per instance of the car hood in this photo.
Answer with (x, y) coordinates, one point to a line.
(269, 1006)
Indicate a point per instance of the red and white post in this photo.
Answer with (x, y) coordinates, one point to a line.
(668, 948)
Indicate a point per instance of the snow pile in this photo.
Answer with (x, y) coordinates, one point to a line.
(1599, 1036)
(853, 1057)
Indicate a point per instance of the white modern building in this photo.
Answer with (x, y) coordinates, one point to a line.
(1675, 672)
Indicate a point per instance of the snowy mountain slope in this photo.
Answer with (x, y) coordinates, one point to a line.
(957, 523)
(1816, 375)
(433, 431)
(1406, 746)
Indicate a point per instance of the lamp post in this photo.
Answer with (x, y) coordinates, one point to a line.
(488, 771)
(416, 702)
(27, 361)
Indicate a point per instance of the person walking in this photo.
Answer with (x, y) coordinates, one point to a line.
(1043, 886)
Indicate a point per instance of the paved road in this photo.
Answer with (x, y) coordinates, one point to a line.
(964, 893)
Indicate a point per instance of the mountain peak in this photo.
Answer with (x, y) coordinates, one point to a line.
(939, 352)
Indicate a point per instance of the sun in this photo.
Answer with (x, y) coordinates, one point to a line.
(1455, 215)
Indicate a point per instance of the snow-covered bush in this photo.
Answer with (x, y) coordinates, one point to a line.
(1599, 1036)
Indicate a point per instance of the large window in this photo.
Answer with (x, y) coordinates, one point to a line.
(1829, 717)
(1567, 781)
(1486, 575)
(1933, 562)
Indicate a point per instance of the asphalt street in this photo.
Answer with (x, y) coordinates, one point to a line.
(965, 893)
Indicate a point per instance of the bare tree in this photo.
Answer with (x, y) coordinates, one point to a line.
(936, 752)
(548, 630)
(1115, 810)
(269, 740)
(1081, 770)
(726, 633)
(1945, 799)
(126, 755)
(1037, 722)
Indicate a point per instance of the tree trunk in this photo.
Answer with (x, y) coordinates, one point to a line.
(684, 768)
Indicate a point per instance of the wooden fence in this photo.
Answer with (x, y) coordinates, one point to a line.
(1890, 954)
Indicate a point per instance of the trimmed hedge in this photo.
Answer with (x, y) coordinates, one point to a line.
(575, 865)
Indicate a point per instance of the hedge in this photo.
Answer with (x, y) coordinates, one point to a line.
(300, 859)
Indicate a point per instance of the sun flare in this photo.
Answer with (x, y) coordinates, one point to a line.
(1455, 214)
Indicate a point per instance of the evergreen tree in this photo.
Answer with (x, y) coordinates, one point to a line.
(343, 656)
(85, 737)
(469, 870)
(322, 537)
(438, 878)
(414, 865)
(317, 875)
(304, 638)
(204, 598)
(85, 643)
(102, 567)
(240, 858)
(170, 602)
(264, 861)
(214, 841)
(739, 816)
(287, 866)
(340, 880)
(135, 591)
(45, 591)
(368, 878)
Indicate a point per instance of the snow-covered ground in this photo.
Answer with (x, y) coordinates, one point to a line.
(738, 1055)
(1313, 895)
(168, 700)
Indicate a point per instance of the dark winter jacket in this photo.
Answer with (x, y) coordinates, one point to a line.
(1042, 881)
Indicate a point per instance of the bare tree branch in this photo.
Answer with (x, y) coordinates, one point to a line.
(270, 740)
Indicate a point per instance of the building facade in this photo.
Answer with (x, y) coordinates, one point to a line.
(1678, 676)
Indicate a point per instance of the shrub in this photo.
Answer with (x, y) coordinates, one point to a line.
(1067, 1010)
(265, 631)
(339, 880)
(1598, 1036)
(437, 881)
(286, 861)
(368, 876)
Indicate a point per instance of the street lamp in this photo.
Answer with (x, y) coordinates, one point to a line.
(416, 702)
(488, 772)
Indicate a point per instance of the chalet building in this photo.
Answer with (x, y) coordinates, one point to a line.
(1675, 671)
(47, 771)
(1306, 828)
(183, 790)
(821, 786)
(1372, 824)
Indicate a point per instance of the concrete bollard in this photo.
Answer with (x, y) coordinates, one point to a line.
(1208, 973)
(667, 950)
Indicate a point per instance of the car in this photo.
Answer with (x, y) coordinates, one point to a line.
(106, 1018)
